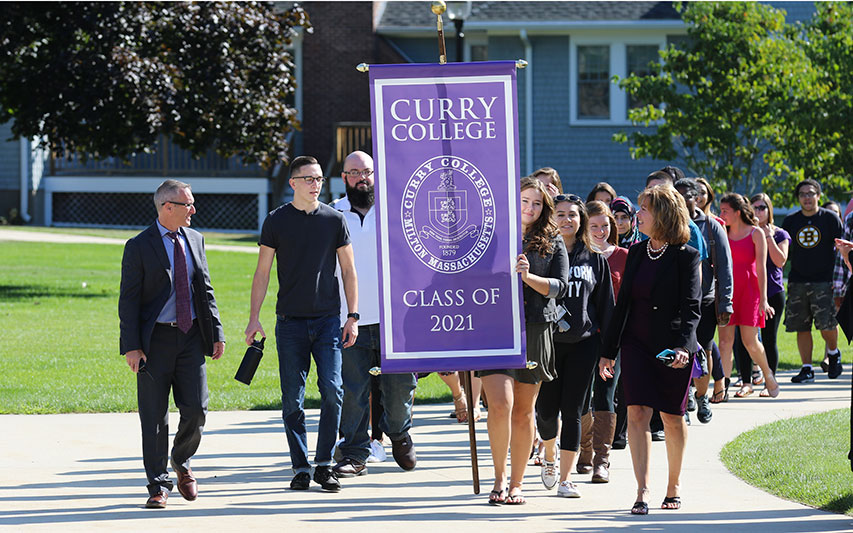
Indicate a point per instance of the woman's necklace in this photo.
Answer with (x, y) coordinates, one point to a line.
(655, 253)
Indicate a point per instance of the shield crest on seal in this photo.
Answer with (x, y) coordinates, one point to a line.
(448, 211)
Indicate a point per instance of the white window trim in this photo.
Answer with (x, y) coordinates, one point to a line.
(618, 66)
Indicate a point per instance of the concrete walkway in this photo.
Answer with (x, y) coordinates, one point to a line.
(84, 472)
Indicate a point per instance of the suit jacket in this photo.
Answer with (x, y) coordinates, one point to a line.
(675, 303)
(146, 282)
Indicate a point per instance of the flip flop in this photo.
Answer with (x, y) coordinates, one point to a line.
(640, 508)
(743, 393)
(497, 497)
(672, 503)
(515, 499)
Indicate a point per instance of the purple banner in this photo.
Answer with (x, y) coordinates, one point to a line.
(445, 146)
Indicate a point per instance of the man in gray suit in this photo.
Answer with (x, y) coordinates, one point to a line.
(169, 322)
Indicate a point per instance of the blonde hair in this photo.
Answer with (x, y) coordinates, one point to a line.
(761, 197)
(671, 223)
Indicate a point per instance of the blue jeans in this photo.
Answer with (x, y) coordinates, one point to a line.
(398, 394)
(296, 340)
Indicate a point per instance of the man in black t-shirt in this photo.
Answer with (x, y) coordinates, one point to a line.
(306, 237)
(813, 230)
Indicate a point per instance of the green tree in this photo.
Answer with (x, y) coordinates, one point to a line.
(107, 78)
(717, 98)
(815, 140)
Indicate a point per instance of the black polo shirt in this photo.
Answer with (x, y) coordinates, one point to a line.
(306, 247)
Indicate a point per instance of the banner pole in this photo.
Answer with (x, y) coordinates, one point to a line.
(438, 7)
(472, 434)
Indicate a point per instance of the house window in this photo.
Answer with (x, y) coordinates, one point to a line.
(593, 82)
(639, 57)
(479, 52)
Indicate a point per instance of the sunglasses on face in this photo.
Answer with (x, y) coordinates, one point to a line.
(759, 207)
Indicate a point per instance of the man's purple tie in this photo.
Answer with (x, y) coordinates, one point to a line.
(184, 316)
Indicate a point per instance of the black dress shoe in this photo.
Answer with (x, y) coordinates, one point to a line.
(300, 481)
(404, 453)
(158, 501)
(326, 478)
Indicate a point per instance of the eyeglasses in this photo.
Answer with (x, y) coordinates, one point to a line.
(759, 208)
(807, 194)
(568, 198)
(353, 173)
(310, 180)
(187, 205)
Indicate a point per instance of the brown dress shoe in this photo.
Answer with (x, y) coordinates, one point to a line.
(187, 485)
(403, 451)
(158, 501)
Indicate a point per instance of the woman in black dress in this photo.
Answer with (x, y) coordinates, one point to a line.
(656, 313)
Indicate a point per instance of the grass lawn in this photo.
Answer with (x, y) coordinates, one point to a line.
(59, 349)
(789, 458)
(210, 237)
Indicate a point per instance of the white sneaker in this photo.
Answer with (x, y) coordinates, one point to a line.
(568, 489)
(550, 474)
(377, 452)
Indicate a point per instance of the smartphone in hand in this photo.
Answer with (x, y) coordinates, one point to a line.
(666, 357)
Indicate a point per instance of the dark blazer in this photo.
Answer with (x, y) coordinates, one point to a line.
(145, 286)
(675, 305)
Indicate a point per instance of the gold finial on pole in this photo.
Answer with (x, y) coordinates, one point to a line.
(520, 63)
(438, 7)
(531, 365)
(375, 371)
(362, 67)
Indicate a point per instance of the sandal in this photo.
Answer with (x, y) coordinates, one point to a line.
(767, 393)
(515, 499)
(720, 396)
(640, 508)
(671, 503)
(461, 406)
(477, 415)
(744, 392)
(757, 377)
(497, 497)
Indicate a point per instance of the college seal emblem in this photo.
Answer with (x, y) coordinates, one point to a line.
(448, 214)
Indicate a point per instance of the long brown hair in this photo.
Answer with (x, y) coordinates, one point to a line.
(738, 203)
(671, 221)
(541, 233)
(705, 183)
(597, 207)
(601, 186)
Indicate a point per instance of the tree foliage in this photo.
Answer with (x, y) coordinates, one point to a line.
(729, 101)
(107, 78)
(817, 138)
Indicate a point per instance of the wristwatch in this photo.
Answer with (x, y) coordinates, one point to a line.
(356, 316)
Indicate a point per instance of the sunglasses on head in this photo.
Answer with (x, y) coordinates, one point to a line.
(568, 198)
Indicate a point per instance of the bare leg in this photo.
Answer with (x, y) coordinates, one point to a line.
(567, 462)
(452, 381)
(499, 389)
(550, 450)
(804, 346)
(749, 335)
(640, 442)
(523, 429)
(727, 341)
(674, 425)
(830, 337)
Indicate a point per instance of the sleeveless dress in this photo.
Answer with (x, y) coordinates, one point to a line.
(746, 296)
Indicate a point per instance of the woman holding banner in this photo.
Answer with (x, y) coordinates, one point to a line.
(654, 324)
(544, 269)
(589, 302)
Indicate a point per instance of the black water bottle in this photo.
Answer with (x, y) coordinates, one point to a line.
(250, 362)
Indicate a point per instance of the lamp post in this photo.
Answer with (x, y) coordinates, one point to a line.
(458, 12)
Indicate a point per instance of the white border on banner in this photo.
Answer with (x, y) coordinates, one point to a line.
(390, 353)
